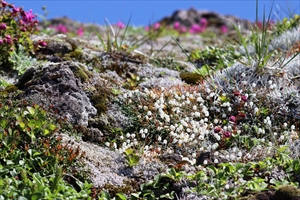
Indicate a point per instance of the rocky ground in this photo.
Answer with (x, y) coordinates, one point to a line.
(83, 81)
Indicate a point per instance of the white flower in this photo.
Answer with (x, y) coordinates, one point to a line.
(285, 124)
(149, 113)
(159, 138)
(205, 162)
(128, 135)
(145, 130)
(226, 186)
(199, 99)
(145, 108)
(143, 135)
(281, 137)
(194, 107)
(270, 82)
(229, 109)
(216, 161)
(197, 114)
(165, 142)
(250, 103)
(107, 144)
(293, 127)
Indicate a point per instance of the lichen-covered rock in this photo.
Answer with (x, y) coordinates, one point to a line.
(55, 85)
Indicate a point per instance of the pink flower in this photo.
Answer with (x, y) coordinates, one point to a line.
(146, 28)
(176, 25)
(2, 26)
(224, 29)
(182, 29)
(80, 32)
(156, 26)
(232, 118)
(1, 41)
(203, 22)
(61, 28)
(120, 25)
(227, 134)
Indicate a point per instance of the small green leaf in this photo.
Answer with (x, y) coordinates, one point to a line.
(31, 110)
(121, 196)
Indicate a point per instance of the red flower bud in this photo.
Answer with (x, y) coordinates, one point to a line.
(217, 129)
(244, 98)
(227, 134)
(42, 43)
(242, 115)
(236, 93)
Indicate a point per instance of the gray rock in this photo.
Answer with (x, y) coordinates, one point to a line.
(56, 85)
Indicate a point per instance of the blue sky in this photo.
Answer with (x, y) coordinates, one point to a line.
(147, 12)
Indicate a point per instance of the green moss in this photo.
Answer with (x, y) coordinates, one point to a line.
(128, 188)
(286, 192)
(191, 78)
(9, 89)
(82, 73)
(100, 97)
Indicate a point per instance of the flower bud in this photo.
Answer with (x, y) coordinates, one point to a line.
(232, 118)
(4, 3)
(227, 134)
(2, 26)
(217, 129)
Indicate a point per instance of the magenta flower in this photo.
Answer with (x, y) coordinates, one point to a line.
(23, 29)
(7, 39)
(120, 25)
(146, 28)
(224, 29)
(15, 10)
(232, 118)
(203, 22)
(227, 134)
(244, 98)
(42, 43)
(4, 3)
(2, 26)
(27, 16)
(156, 26)
(80, 32)
(176, 25)
(1, 41)
(195, 28)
